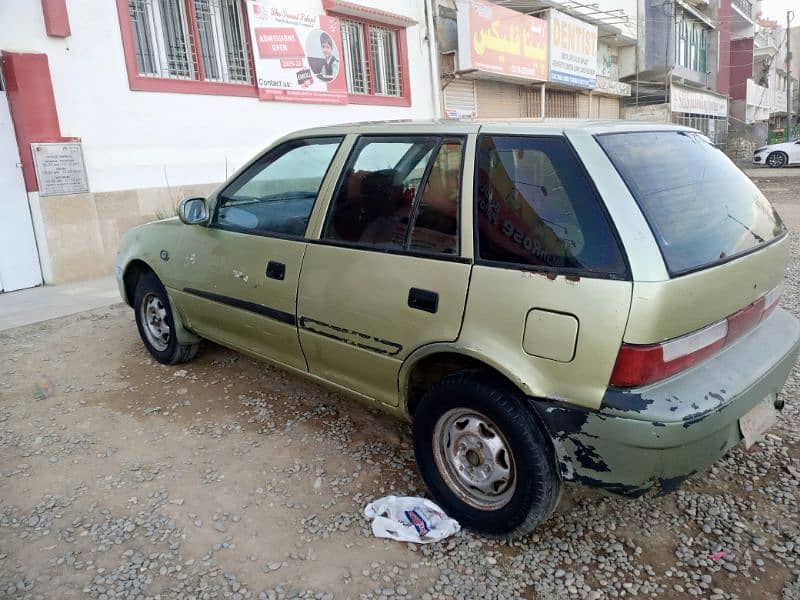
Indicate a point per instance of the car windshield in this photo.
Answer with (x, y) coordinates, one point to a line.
(702, 209)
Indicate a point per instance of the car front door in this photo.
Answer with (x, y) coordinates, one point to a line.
(794, 153)
(238, 284)
(386, 275)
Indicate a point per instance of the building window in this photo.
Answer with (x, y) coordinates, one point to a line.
(199, 40)
(374, 59)
(691, 44)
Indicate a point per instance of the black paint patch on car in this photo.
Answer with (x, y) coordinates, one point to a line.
(355, 338)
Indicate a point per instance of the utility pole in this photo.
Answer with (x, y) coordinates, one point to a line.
(789, 19)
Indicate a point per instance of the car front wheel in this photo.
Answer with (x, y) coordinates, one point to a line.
(777, 160)
(483, 455)
(156, 324)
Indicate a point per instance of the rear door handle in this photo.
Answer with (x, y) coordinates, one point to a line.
(276, 270)
(423, 300)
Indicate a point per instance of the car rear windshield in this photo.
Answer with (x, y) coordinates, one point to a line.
(702, 209)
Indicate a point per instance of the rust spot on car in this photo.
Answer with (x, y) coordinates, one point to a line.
(573, 278)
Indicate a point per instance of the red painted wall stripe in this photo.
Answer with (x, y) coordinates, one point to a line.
(32, 104)
(741, 67)
(56, 18)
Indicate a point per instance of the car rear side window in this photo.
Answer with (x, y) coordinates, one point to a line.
(275, 195)
(399, 193)
(537, 208)
(701, 208)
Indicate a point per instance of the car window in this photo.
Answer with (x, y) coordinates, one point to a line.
(537, 208)
(375, 197)
(435, 226)
(276, 194)
(701, 207)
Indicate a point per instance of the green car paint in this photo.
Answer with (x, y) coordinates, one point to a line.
(340, 316)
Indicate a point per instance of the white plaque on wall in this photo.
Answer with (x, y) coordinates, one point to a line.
(60, 168)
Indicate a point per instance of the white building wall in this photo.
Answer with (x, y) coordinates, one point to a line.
(136, 139)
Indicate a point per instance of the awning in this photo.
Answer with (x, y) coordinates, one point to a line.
(351, 9)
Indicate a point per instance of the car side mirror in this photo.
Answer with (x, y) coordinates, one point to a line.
(192, 211)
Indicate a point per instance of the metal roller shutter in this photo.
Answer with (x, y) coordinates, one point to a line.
(501, 100)
(560, 104)
(609, 108)
(531, 102)
(459, 99)
(586, 109)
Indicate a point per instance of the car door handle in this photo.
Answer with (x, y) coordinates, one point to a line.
(276, 270)
(423, 300)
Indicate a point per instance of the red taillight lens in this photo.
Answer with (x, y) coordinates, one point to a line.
(642, 364)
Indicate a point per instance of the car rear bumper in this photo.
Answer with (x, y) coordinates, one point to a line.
(663, 433)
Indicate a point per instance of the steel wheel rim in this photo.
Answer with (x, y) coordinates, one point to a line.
(153, 314)
(474, 458)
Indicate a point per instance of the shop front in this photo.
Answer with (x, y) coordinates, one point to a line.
(513, 65)
(700, 109)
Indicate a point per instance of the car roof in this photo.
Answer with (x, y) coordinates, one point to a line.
(508, 126)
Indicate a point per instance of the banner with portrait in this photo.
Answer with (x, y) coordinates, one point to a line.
(297, 51)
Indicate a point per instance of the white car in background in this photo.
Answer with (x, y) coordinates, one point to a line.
(778, 155)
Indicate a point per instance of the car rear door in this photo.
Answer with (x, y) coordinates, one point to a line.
(386, 275)
(239, 275)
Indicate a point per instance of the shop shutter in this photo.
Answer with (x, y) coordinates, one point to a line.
(560, 104)
(586, 106)
(609, 107)
(531, 102)
(459, 99)
(498, 100)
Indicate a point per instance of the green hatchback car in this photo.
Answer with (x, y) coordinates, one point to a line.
(544, 301)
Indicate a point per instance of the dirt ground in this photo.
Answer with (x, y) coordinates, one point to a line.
(226, 477)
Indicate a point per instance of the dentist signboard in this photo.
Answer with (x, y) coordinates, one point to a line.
(573, 51)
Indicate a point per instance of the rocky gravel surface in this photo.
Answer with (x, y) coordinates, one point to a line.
(225, 478)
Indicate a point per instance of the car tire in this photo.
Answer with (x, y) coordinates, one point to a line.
(777, 160)
(155, 322)
(484, 456)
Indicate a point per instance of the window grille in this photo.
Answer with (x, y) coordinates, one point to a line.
(166, 46)
(372, 59)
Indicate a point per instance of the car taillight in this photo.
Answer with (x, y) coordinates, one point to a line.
(642, 364)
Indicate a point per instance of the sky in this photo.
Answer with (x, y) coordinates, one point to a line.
(776, 9)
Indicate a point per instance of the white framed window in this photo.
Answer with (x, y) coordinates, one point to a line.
(374, 59)
(168, 33)
(355, 50)
(222, 40)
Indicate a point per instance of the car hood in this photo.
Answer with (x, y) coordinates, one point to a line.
(781, 146)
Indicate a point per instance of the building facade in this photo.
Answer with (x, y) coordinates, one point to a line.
(682, 66)
(566, 63)
(112, 112)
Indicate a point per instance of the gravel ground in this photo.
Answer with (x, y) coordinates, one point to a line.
(120, 477)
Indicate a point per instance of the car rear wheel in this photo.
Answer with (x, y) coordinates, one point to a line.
(777, 160)
(156, 324)
(484, 456)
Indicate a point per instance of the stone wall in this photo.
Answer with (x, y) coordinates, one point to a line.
(83, 231)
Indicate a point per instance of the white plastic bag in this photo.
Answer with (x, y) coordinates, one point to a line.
(408, 519)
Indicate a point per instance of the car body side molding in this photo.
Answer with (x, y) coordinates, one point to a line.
(260, 309)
